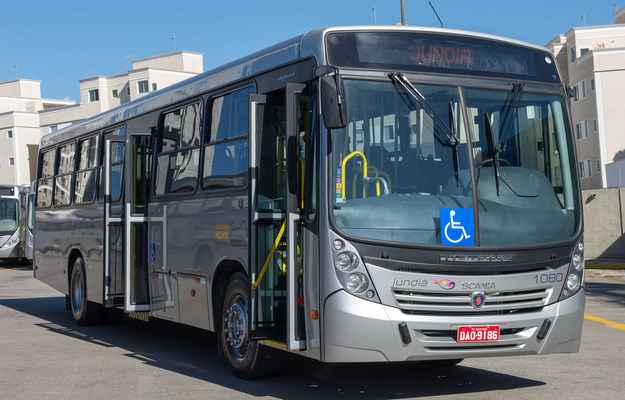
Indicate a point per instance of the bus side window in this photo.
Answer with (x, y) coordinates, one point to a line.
(46, 180)
(226, 144)
(65, 174)
(178, 156)
(85, 188)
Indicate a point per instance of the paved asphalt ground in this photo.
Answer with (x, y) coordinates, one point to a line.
(45, 355)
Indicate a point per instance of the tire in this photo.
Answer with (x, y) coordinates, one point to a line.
(248, 358)
(83, 311)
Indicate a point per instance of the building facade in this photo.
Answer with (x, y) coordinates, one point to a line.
(101, 93)
(592, 62)
(20, 107)
(25, 116)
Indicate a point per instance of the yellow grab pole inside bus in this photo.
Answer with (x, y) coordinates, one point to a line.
(269, 257)
(365, 173)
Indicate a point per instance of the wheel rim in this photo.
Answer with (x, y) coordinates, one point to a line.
(77, 292)
(235, 328)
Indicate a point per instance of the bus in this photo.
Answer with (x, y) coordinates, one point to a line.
(364, 194)
(14, 213)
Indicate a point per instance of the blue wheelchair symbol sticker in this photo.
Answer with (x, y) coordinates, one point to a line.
(457, 226)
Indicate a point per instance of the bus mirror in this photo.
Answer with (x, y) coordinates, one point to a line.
(332, 101)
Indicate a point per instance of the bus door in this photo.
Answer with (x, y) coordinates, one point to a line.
(137, 184)
(113, 166)
(276, 241)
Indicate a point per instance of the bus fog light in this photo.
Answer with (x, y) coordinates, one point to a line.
(370, 294)
(356, 282)
(572, 283)
(346, 261)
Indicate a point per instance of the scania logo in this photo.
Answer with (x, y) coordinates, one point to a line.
(446, 284)
(477, 299)
(475, 258)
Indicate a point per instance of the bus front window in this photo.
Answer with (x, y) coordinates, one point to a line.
(8, 215)
(399, 162)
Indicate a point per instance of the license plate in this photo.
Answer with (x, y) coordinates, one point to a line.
(477, 334)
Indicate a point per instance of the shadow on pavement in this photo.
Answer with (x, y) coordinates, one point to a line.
(12, 265)
(191, 352)
(609, 292)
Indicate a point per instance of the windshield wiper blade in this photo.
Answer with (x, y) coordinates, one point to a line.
(400, 80)
(492, 149)
(506, 110)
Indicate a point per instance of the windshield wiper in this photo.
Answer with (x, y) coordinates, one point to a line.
(400, 80)
(509, 104)
(506, 110)
(493, 150)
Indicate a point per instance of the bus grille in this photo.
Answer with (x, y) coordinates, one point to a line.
(459, 303)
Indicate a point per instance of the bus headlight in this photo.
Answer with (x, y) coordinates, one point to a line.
(351, 271)
(575, 276)
(356, 282)
(346, 261)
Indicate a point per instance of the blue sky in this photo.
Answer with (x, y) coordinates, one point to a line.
(60, 42)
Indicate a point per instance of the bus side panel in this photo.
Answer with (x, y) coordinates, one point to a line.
(48, 248)
(86, 235)
(202, 232)
(61, 231)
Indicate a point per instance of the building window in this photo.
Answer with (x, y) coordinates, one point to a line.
(10, 134)
(576, 92)
(588, 168)
(573, 54)
(115, 93)
(584, 89)
(583, 52)
(154, 87)
(143, 86)
(592, 85)
(11, 161)
(94, 95)
(596, 126)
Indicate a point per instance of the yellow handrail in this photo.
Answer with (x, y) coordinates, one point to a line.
(344, 171)
(263, 270)
(365, 173)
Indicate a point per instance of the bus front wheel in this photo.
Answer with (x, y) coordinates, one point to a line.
(246, 356)
(83, 311)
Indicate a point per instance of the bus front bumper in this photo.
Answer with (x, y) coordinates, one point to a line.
(358, 330)
(10, 252)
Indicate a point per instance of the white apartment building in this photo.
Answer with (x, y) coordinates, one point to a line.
(25, 116)
(592, 62)
(20, 107)
(101, 93)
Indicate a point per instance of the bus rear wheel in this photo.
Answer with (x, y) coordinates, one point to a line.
(83, 311)
(246, 356)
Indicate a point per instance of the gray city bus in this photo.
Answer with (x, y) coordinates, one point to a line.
(14, 213)
(354, 194)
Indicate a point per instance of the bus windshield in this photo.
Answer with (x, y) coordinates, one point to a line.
(400, 161)
(8, 215)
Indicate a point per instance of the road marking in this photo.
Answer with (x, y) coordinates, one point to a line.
(606, 322)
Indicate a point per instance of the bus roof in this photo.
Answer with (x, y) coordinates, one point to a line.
(307, 45)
